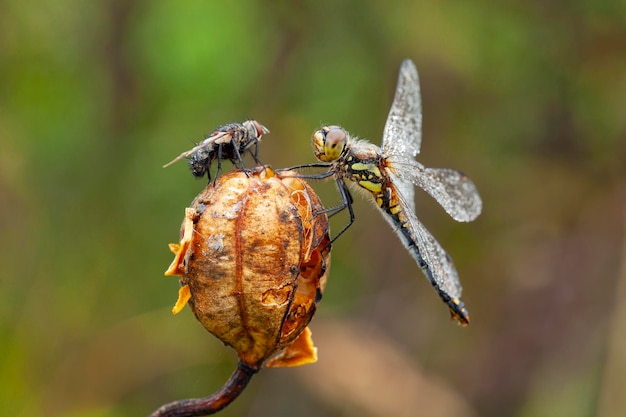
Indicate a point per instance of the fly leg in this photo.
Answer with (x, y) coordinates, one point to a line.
(255, 154)
(219, 164)
(237, 160)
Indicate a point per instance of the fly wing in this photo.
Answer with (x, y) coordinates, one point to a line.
(214, 137)
(185, 154)
(452, 189)
(403, 130)
(427, 252)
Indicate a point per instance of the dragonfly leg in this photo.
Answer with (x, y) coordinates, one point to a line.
(347, 200)
(346, 197)
(314, 176)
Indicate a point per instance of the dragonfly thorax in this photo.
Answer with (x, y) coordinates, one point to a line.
(329, 143)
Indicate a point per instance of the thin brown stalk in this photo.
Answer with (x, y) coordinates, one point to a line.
(213, 403)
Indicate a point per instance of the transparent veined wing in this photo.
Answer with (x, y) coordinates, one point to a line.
(452, 189)
(427, 252)
(213, 138)
(406, 189)
(403, 130)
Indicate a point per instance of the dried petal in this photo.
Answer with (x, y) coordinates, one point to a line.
(300, 352)
(183, 296)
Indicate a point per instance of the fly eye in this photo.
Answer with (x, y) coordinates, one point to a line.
(255, 128)
(260, 129)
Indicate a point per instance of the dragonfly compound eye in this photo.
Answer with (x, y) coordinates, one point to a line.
(329, 143)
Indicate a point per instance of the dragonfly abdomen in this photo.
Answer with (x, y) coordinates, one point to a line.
(389, 202)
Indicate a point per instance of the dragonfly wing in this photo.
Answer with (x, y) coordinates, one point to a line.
(405, 188)
(452, 189)
(403, 130)
(428, 253)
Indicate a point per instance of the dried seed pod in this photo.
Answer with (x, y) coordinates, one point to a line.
(253, 259)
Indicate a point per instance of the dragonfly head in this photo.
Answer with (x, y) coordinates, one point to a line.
(329, 143)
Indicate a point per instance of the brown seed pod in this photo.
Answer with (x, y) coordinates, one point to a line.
(253, 260)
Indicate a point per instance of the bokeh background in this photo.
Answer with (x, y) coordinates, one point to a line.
(528, 98)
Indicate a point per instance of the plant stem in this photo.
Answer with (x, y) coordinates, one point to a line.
(213, 403)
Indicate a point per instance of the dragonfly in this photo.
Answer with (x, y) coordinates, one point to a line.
(389, 174)
(229, 141)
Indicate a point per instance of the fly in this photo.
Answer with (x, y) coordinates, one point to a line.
(229, 141)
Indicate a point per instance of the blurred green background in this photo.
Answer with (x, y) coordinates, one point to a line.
(527, 98)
